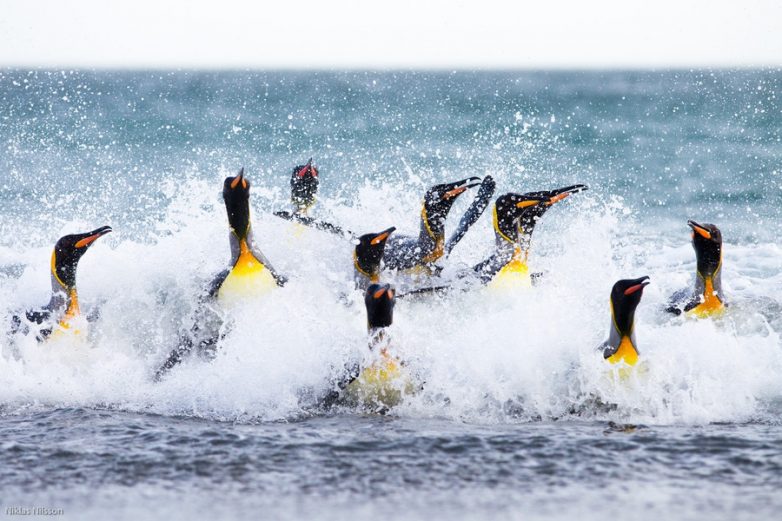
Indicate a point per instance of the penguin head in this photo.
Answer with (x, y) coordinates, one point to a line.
(236, 194)
(530, 216)
(380, 300)
(369, 250)
(304, 186)
(68, 251)
(438, 202)
(707, 241)
(508, 209)
(625, 297)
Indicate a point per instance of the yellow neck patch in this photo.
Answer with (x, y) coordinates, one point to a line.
(69, 323)
(248, 278)
(711, 305)
(626, 353)
(439, 250)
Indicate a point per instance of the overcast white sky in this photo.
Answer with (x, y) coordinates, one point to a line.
(385, 34)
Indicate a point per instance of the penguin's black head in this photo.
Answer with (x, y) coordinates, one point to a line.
(67, 253)
(369, 250)
(236, 194)
(304, 186)
(438, 202)
(531, 215)
(625, 296)
(707, 241)
(508, 209)
(380, 300)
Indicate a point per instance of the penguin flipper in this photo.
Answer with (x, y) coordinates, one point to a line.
(335, 395)
(314, 223)
(473, 213)
(203, 316)
(214, 287)
(681, 301)
(437, 290)
(175, 358)
(278, 277)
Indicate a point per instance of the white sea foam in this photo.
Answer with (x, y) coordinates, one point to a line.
(484, 356)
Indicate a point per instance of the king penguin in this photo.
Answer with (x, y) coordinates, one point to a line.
(368, 256)
(382, 381)
(508, 263)
(707, 298)
(514, 220)
(621, 345)
(249, 275)
(406, 253)
(304, 190)
(63, 310)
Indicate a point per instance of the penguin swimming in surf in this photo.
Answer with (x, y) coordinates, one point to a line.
(381, 381)
(368, 256)
(304, 190)
(514, 220)
(509, 260)
(621, 345)
(249, 276)
(63, 310)
(405, 253)
(707, 298)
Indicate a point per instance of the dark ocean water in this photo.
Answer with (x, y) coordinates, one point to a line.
(699, 435)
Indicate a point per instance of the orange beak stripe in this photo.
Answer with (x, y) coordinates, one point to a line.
(557, 198)
(87, 240)
(453, 193)
(380, 238)
(633, 289)
(706, 234)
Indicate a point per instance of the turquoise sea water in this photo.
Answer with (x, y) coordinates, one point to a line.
(492, 434)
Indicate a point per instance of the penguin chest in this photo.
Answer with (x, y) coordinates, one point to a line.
(247, 279)
(625, 353)
(515, 274)
(383, 383)
(711, 305)
(72, 325)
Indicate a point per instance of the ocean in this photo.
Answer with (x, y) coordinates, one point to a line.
(506, 425)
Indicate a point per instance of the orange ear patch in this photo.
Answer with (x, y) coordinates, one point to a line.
(525, 204)
(379, 293)
(236, 180)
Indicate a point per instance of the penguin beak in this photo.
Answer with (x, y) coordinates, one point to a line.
(239, 179)
(93, 236)
(557, 198)
(382, 236)
(450, 194)
(643, 282)
(700, 230)
(459, 189)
